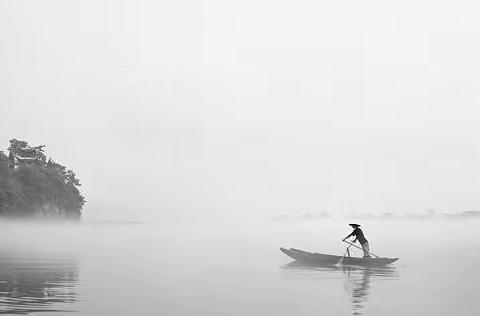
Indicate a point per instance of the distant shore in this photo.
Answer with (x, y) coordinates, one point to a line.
(430, 215)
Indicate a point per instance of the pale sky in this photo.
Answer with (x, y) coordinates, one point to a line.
(176, 109)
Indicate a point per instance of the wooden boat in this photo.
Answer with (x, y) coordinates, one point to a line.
(309, 258)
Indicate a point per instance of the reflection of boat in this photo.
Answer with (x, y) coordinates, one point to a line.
(36, 283)
(323, 259)
(357, 279)
(384, 272)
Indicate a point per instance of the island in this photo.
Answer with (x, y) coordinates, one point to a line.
(32, 186)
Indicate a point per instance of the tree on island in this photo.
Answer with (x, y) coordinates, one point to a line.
(32, 186)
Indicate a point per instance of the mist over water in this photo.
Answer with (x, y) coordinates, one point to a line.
(198, 120)
(235, 268)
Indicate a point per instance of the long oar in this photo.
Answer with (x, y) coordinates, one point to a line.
(340, 262)
(351, 244)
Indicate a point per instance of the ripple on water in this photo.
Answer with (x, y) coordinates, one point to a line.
(37, 284)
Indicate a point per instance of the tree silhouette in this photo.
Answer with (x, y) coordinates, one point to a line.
(35, 186)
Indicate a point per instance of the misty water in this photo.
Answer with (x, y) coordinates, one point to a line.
(235, 268)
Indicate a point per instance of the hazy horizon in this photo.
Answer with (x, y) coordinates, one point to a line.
(207, 109)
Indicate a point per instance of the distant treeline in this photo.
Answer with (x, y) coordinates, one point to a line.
(32, 186)
(430, 214)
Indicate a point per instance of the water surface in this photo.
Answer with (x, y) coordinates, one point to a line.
(235, 269)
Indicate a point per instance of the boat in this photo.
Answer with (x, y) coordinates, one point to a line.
(313, 259)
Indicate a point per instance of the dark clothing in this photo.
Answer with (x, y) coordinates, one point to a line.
(357, 232)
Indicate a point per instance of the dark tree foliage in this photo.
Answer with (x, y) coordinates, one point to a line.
(35, 184)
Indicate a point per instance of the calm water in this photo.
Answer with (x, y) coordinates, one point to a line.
(100, 268)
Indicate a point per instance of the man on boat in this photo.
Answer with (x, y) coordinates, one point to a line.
(358, 233)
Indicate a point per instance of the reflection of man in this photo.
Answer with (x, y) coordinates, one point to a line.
(358, 233)
(360, 289)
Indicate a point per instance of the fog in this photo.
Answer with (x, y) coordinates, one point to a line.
(208, 133)
(173, 111)
(94, 267)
